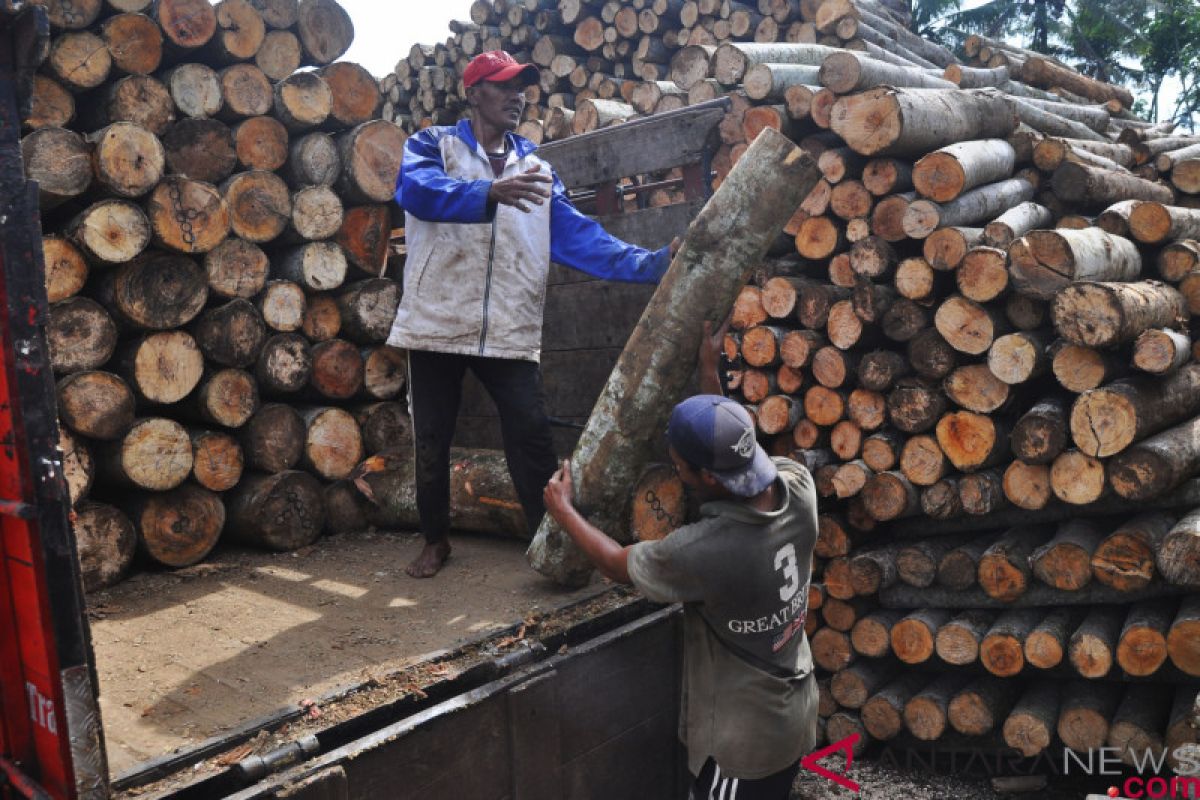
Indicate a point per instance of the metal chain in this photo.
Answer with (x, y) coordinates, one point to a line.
(183, 216)
(656, 506)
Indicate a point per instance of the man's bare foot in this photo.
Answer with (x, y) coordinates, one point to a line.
(432, 557)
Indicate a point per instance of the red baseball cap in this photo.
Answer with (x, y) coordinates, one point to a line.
(499, 66)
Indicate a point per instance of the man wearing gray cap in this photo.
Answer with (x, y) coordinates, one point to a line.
(742, 573)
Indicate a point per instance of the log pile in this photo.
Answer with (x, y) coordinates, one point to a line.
(216, 243)
(975, 332)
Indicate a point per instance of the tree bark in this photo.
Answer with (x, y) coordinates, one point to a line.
(80, 334)
(284, 365)
(1106, 314)
(912, 122)
(729, 62)
(283, 511)
(883, 713)
(1046, 262)
(217, 460)
(1030, 726)
(913, 637)
(1155, 465)
(1087, 708)
(106, 542)
(161, 368)
(333, 444)
(200, 149)
(337, 369)
(1094, 187)
(154, 454)
(946, 174)
(1004, 571)
(370, 156)
(853, 686)
(325, 30)
(1093, 646)
(982, 705)
(781, 175)
(226, 397)
(1064, 562)
(1159, 222)
(385, 426)
(236, 269)
(981, 204)
(959, 639)
(1142, 647)
(1002, 650)
(1124, 560)
(482, 498)
(1162, 351)
(282, 305)
(1041, 434)
(196, 90)
(1108, 420)
(158, 291)
(927, 715)
(60, 161)
(279, 55)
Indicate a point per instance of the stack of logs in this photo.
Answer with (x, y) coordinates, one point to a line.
(217, 228)
(981, 348)
(979, 344)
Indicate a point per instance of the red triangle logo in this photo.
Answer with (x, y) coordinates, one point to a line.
(809, 762)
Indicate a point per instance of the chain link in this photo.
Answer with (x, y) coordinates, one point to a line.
(183, 216)
(656, 506)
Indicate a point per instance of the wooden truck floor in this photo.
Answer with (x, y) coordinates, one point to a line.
(187, 655)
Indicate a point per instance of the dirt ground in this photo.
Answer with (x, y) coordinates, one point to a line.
(185, 655)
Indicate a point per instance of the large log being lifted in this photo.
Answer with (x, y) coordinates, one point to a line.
(735, 228)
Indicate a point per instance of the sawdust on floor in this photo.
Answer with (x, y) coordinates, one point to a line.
(186, 655)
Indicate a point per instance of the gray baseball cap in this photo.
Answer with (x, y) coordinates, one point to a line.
(714, 433)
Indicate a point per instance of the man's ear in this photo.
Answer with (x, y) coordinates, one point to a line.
(709, 480)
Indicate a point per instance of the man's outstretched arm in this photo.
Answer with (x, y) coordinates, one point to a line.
(610, 557)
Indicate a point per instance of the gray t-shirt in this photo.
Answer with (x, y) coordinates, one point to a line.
(749, 698)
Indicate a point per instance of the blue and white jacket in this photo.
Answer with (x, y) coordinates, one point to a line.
(475, 277)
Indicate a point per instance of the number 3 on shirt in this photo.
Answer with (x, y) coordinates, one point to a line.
(785, 562)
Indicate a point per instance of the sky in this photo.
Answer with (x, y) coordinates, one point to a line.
(385, 30)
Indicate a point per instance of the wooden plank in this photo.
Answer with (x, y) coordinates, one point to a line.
(652, 228)
(592, 316)
(643, 145)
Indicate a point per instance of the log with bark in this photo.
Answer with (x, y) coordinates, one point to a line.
(773, 176)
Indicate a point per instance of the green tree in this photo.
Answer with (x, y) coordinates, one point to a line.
(1172, 51)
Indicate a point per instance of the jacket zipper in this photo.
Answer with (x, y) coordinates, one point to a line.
(487, 286)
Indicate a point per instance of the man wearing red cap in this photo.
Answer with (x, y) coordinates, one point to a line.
(484, 217)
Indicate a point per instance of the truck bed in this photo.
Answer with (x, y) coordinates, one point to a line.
(193, 654)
